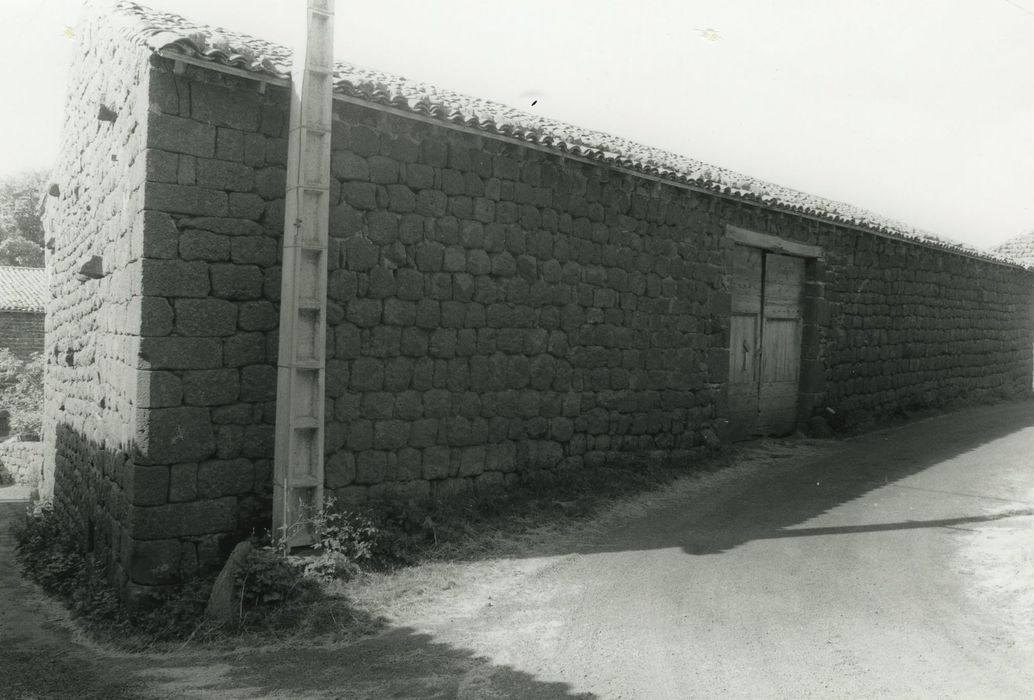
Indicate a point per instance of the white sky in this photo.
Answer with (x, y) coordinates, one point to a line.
(921, 110)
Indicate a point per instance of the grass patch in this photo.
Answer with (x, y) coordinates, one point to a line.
(496, 524)
(290, 599)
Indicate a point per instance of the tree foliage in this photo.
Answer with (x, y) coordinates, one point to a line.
(21, 391)
(21, 231)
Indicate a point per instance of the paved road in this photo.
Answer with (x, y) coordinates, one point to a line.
(897, 564)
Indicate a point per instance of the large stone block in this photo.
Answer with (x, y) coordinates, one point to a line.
(437, 463)
(183, 519)
(150, 485)
(367, 374)
(362, 140)
(229, 441)
(257, 316)
(156, 235)
(259, 441)
(340, 470)
(162, 166)
(364, 313)
(246, 205)
(390, 434)
(382, 227)
(370, 467)
(361, 195)
(204, 245)
(171, 435)
(258, 250)
(237, 282)
(270, 182)
(173, 352)
(224, 175)
(258, 383)
(336, 377)
(185, 199)
(173, 278)
(212, 387)
(239, 109)
(158, 389)
(163, 92)
(225, 477)
(180, 135)
(345, 165)
(360, 254)
(244, 349)
(229, 144)
(228, 226)
(155, 314)
(205, 317)
(383, 170)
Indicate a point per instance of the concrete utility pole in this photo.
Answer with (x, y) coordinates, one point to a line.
(298, 471)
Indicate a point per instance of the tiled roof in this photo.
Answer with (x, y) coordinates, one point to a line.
(1020, 249)
(170, 33)
(23, 288)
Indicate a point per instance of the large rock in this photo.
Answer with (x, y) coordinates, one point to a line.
(223, 604)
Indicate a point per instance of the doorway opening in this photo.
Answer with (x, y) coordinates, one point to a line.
(766, 333)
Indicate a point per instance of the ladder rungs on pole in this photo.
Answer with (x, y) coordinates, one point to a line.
(303, 482)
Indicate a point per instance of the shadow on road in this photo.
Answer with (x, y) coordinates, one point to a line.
(905, 525)
(792, 491)
(401, 663)
(42, 659)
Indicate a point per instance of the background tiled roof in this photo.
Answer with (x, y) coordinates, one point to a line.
(1020, 249)
(167, 32)
(23, 289)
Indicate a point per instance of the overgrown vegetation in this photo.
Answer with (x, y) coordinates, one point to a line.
(50, 557)
(293, 593)
(21, 392)
(21, 231)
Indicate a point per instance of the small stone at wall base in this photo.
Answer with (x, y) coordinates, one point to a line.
(222, 603)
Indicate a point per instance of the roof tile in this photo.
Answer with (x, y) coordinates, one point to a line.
(164, 31)
(1020, 249)
(23, 289)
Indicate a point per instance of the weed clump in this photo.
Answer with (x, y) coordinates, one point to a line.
(274, 589)
(51, 558)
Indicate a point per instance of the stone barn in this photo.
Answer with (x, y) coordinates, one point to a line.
(505, 295)
(23, 305)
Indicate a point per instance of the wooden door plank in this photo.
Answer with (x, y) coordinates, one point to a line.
(781, 344)
(744, 342)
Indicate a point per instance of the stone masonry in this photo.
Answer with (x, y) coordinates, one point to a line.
(21, 332)
(494, 310)
(93, 324)
(21, 462)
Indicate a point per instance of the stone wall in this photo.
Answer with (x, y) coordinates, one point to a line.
(213, 217)
(899, 326)
(93, 324)
(21, 462)
(916, 328)
(504, 309)
(494, 309)
(21, 332)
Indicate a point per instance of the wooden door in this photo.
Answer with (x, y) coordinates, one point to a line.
(765, 342)
(745, 342)
(781, 344)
